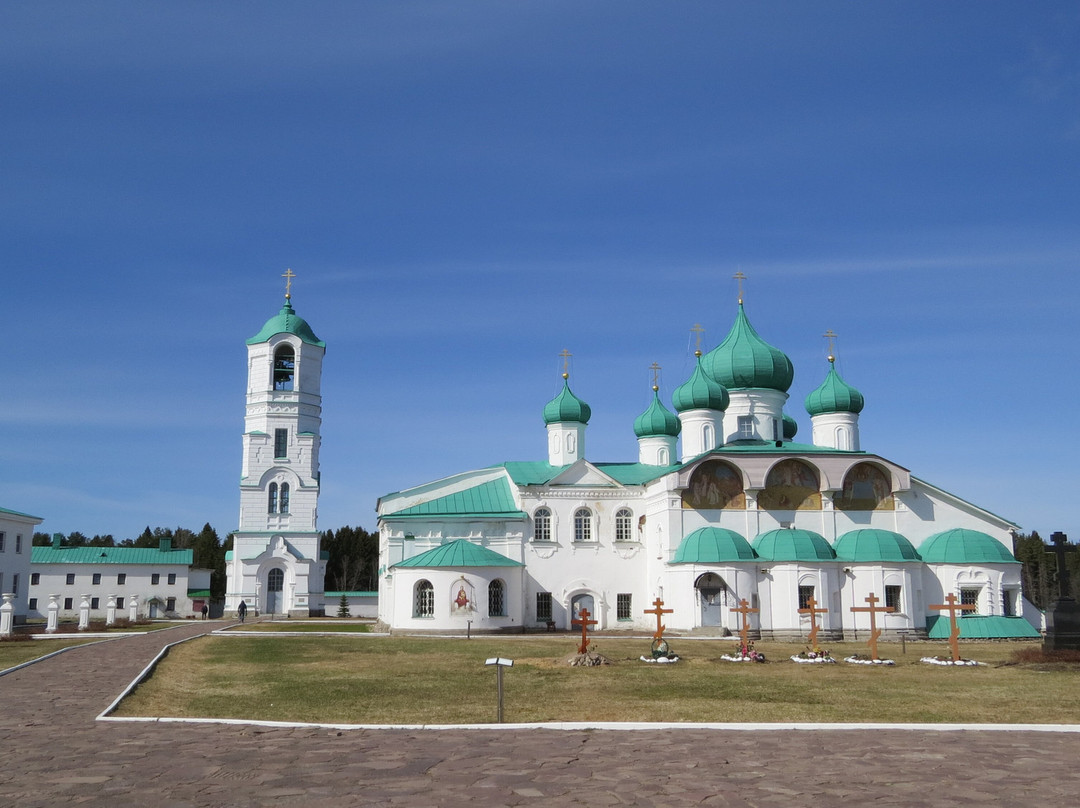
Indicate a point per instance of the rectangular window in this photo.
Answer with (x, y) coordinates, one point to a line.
(2, 537)
(121, 579)
(496, 599)
(970, 596)
(18, 542)
(805, 593)
(97, 579)
(543, 606)
(67, 604)
(71, 579)
(155, 579)
(746, 427)
(170, 604)
(33, 604)
(281, 443)
(119, 603)
(15, 584)
(892, 597)
(35, 578)
(172, 578)
(623, 609)
(1007, 602)
(94, 603)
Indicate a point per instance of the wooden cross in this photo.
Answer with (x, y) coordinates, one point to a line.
(873, 609)
(953, 606)
(812, 610)
(658, 610)
(1061, 543)
(288, 275)
(584, 622)
(740, 278)
(745, 610)
(698, 331)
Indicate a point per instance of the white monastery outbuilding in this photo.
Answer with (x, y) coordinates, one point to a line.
(744, 512)
(16, 535)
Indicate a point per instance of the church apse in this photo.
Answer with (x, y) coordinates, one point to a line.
(715, 485)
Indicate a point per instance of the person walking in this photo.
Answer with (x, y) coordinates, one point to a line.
(241, 611)
(205, 611)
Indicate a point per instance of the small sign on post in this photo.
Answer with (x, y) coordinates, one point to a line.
(499, 664)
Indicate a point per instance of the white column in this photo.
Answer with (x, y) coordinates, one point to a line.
(84, 613)
(133, 608)
(7, 615)
(258, 588)
(110, 611)
(54, 614)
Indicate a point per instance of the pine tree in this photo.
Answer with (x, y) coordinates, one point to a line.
(343, 607)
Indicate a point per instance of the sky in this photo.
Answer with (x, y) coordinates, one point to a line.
(464, 190)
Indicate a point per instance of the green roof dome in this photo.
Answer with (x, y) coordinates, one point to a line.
(791, 429)
(566, 407)
(834, 395)
(872, 544)
(788, 544)
(713, 545)
(744, 360)
(286, 321)
(963, 546)
(700, 392)
(459, 553)
(657, 421)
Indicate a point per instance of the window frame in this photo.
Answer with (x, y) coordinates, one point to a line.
(624, 525)
(281, 444)
(497, 598)
(969, 595)
(542, 524)
(544, 607)
(744, 427)
(95, 579)
(894, 596)
(624, 606)
(283, 370)
(69, 579)
(35, 578)
(171, 579)
(806, 591)
(121, 578)
(155, 579)
(283, 498)
(424, 600)
(583, 526)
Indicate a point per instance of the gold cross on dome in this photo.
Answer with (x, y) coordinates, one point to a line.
(655, 368)
(288, 275)
(565, 361)
(697, 330)
(831, 337)
(740, 278)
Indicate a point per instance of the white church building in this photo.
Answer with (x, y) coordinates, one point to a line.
(276, 565)
(739, 510)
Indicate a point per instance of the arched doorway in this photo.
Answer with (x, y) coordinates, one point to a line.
(580, 602)
(712, 594)
(275, 584)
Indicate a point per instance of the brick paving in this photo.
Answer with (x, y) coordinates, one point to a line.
(55, 753)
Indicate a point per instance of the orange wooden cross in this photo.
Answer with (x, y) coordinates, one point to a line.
(953, 606)
(658, 610)
(812, 610)
(584, 622)
(745, 610)
(873, 609)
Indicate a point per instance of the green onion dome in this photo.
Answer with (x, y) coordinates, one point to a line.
(713, 545)
(963, 546)
(745, 360)
(657, 421)
(566, 407)
(790, 544)
(872, 544)
(286, 321)
(791, 429)
(700, 392)
(834, 395)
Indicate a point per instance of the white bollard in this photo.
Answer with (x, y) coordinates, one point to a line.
(133, 608)
(84, 613)
(110, 611)
(7, 615)
(54, 614)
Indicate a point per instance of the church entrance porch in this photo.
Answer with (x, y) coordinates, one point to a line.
(712, 595)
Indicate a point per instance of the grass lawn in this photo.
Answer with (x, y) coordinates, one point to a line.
(394, 680)
(287, 625)
(16, 653)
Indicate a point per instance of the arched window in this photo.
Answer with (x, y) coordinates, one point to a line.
(542, 525)
(624, 523)
(496, 599)
(275, 580)
(283, 507)
(866, 488)
(424, 600)
(791, 486)
(582, 525)
(284, 367)
(271, 499)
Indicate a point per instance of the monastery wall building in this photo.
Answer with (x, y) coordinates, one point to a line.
(739, 510)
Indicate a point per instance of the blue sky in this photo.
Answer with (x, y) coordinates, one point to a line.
(464, 190)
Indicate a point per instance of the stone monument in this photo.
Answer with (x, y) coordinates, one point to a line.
(1063, 616)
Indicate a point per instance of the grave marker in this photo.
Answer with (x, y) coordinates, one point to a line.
(873, 609)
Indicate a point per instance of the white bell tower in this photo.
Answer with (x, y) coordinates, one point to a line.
(275, 566)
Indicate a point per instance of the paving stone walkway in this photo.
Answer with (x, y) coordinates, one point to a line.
(55, 753)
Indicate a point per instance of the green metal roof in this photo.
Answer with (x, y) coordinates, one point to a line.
(963, 546)
(109, 555)
(287, 321)
(713, 545)
(700, 392)
(745, 360)
(979, 627)
(834, 395)
(16, 513)
(459, 553)
(538, 473)
(198, 593)
(793, 544)
(566, 407)
(874, 544)
(657, 421)
(491, 499)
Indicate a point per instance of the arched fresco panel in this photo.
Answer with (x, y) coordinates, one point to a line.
(866, 488)
(714, 485)
(791, 486)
